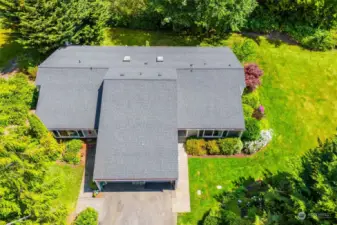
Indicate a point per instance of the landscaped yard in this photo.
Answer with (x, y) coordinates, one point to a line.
(299, 92)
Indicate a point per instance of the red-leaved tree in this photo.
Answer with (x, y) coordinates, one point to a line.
(252, 76)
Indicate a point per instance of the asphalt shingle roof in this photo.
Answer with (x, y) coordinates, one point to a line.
(137, 132)
(210, 98)
(138, 106)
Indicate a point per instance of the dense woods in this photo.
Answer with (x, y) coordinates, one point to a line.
(46, 25)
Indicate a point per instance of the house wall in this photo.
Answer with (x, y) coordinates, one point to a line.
(183, 134)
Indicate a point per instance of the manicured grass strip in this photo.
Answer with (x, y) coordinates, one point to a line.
(71, 178)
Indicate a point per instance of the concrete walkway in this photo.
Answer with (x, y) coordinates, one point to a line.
(181, 196)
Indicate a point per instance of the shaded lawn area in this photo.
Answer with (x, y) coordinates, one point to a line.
(71, 178)
(8, 51)
(299, 92)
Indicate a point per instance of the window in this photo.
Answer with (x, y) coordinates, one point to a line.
(56, 134)
(63, 133)
(233, 133)
(211, 133)
(181, 133)
(192, 133)
(80, 133)
(72, 133)
(89, 133)
(217, 133)
(208, 133)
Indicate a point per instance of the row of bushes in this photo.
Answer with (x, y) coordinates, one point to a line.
(224, 146)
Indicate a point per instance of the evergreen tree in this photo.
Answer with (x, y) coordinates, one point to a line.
(308, 196)
(44, 25)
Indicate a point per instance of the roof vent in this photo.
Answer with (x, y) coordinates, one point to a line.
(122, 74)
(160, 58)
(127, 58)
(159, 74)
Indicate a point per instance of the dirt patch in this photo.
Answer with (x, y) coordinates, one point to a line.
(272, 36)
(83, 154)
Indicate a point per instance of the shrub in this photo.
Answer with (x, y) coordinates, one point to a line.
(230, 146)
(245, 50)
(321, 40)
(89, 216)
(247, 110)
(212, 147)
(37, 128)
(71, 154)
(253, 129)
(259, 113)
(211, 220)
(196, 147)
(251, 147)
(252, 76)
(53, 149)
(252, 99)
(32, 71)
(311, 38)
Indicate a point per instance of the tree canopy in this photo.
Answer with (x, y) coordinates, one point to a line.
(307, 196)
(44, 25)
(27, 190)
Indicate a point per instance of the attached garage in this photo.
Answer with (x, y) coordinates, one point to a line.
(137, 139)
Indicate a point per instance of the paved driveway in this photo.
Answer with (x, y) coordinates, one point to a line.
(137, 208)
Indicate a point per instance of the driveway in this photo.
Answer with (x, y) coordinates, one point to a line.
(137, 208)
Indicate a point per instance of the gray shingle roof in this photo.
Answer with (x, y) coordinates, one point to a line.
(138, 130)
(210, 98)
(69, 98)
(112, 57)
(144, 102)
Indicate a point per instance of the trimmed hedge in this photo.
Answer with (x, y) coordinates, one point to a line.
(212, 147)
(252, 99)
(196, 147)
(253, 130)
(89, 216)
(230, 146)
(71, 154)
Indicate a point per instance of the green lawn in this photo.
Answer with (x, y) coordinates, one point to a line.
(71, 178)
(299, 93)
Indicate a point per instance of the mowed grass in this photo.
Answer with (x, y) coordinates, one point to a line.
(70, 178)
(299, 92)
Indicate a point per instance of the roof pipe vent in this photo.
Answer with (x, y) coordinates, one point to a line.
(160, 59)
(127, 58)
